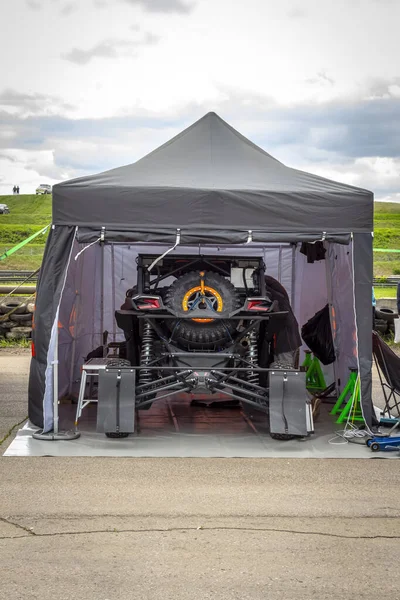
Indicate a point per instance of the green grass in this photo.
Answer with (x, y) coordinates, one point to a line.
(386, 235)
(27, 209)
(385, 292)
(386, 207)
(11, 235)
(28, 258)
(24, 343)
(28, 214)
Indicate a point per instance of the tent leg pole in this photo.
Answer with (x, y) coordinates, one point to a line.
(102, 295)
(56, 434)
(55, 385)
(329, 263)
(292, 293)
(113, 290)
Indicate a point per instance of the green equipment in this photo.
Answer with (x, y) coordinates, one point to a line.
(8, 253)
(315, 380)
(348, 404)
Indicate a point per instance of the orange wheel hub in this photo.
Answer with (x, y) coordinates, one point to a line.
(202, 295)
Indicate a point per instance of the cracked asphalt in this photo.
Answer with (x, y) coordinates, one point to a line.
(116, 529)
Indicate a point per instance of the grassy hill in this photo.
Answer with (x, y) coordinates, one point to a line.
(29, 213)
(27, 209)
(387, 235)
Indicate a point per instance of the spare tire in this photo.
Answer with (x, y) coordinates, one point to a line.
(219, 295)
(7, 305)
(19, 333)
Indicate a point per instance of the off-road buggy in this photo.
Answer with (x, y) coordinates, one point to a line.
(201, 325)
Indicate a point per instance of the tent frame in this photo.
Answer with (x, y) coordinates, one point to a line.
(214, 187)
(251, 391)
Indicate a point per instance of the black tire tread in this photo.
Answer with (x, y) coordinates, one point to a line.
(381, 314)
(283, 436)
(209, 334)
(7, 305)
(27, 318)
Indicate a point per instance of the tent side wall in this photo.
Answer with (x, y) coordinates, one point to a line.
(49, 289)
(343, 317)
(363, 280)
(87, 307)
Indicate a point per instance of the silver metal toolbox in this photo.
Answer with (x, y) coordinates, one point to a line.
(288, 403)
(116, 401)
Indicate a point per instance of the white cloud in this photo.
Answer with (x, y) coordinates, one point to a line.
(303, 80)
(154, 6)
(168, 6)
(296, 12)
(27, 169)
(110, 48)
(69, 8)
(382, 175)
(26, 104)
(33, 4)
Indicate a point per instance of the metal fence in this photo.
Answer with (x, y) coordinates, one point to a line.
(17, 276)
(391, 281)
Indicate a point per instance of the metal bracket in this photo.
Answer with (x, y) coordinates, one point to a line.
(177, 242)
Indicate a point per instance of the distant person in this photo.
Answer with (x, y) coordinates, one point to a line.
(17, 189)
(14, 189)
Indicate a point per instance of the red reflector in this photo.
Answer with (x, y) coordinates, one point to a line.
(257, 305)
(148, 303)
(33, 350)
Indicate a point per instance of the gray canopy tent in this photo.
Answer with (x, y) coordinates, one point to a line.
(208, 187)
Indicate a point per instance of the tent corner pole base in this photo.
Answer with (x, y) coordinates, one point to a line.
(52, 436)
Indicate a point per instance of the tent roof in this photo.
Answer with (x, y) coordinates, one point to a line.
(210, 176)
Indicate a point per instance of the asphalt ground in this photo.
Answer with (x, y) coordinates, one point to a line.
(121, 528)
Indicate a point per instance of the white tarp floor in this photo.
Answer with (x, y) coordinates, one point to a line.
(174, 428)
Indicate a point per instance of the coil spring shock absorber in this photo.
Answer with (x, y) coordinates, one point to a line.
(252, 357)
(147, 354)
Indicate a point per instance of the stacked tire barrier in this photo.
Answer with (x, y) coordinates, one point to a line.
(384, 321)
(18, 322)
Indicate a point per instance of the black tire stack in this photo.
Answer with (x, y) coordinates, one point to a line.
(384, 321)
(18, 324)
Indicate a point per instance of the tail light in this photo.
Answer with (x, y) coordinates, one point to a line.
(257, 304)
(33, 349)
(148, 302)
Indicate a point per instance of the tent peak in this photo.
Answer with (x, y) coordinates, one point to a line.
(210, 116)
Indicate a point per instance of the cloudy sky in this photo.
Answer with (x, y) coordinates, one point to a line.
(93, 84)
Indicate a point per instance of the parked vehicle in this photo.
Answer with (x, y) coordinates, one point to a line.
(208, 331)
(44, 188)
